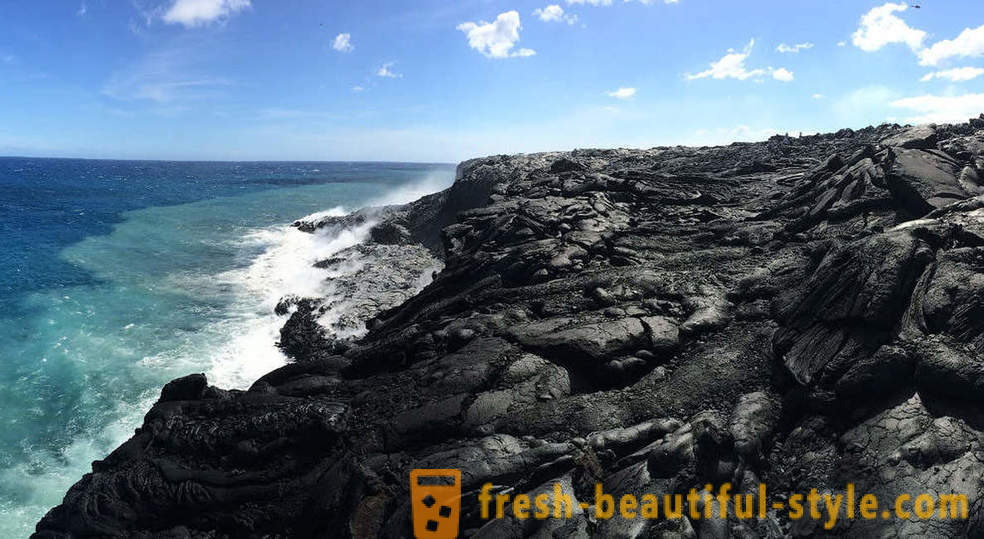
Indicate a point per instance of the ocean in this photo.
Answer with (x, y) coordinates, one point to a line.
(118, 276)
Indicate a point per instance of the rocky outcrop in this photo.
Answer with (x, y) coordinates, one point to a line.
(804, 312)
(362, 281)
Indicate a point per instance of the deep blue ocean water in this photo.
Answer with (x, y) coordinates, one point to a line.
(118, 276)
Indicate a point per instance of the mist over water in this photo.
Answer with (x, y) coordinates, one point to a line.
(129, 300)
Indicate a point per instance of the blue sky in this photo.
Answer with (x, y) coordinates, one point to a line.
(447, 80)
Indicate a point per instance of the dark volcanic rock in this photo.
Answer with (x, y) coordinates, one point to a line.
(188, 388)
(363, 281)
(924, 180)
(805, 312)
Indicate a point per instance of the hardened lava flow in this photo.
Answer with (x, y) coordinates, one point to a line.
(802, 312)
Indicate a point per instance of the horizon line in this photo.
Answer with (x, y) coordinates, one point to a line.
(145, 160)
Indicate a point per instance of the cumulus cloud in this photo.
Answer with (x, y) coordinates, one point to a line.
(941, 109)
(732, 66)
(818, 96)
(343, 43)
(554, 13)
(794, 48)
(959, 74)
(969, 43)
(386, 71)
(193, 13)
(880, 27)
(783, 75)
(496, 39)
(622, 93)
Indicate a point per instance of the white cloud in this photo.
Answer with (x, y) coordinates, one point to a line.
(842, 43)
(732, 66)
(969, 43)
(358, 89)
(496, 39)
(794, 48)
(162, 91)
(343, 43)
(83, 9)
(172, 76)
(880, 27)
(192, 13)
(959, 74)
(554, 13)
(783, 75)
(622, 93)
(818, 96)
(941, 109)
(386, 71)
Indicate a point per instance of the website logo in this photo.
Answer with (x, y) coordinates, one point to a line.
(436, 497)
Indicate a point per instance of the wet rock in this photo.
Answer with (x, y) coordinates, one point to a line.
(389, 233)
(187, 388)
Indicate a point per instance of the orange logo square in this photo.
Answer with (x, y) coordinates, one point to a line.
(436, 503)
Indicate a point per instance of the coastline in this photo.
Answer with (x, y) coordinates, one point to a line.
(175, 269)
(580, 329)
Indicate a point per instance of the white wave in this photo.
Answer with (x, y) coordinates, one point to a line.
(37, 479)
(234, 350)
(244, 342)
(337, 211)
(285, 268)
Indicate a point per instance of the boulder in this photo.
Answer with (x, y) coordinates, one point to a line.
(187, 388)
(924, 180)
(921, 137)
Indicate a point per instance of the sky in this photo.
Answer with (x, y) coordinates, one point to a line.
(444, 81)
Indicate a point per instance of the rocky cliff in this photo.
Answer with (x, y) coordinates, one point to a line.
(804, 312)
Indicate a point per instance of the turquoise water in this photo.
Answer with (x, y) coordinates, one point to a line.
(116, 305)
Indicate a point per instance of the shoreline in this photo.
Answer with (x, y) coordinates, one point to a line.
(647, 316)
(171, 292)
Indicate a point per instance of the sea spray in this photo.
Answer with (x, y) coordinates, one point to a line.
(286, 268)
(168, 291)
